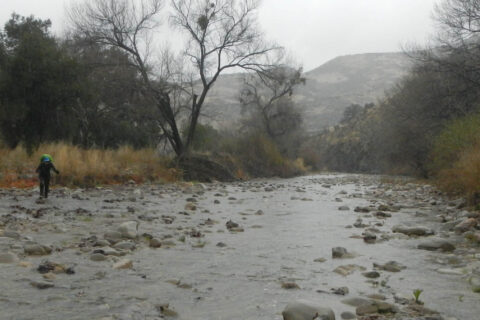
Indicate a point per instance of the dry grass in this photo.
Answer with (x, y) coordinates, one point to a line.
(80, 167)
(463, 177)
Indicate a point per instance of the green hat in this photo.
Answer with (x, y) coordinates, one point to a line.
(46, 158)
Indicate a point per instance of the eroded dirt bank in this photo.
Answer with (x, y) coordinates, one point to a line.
(351, 243)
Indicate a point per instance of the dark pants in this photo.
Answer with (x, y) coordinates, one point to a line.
(44, 185)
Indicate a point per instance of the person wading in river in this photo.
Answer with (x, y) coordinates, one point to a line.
(46, 164)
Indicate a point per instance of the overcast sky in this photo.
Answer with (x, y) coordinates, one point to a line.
(313, 31)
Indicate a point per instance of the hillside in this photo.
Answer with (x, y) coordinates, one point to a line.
(330, 88)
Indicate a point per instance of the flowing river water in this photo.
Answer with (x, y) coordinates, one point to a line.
(204, 270)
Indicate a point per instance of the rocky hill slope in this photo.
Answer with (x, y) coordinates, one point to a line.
(330, 88)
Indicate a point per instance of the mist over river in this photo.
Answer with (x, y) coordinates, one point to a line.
(240, 250)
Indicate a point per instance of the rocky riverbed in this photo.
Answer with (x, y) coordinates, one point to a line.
(316, 247)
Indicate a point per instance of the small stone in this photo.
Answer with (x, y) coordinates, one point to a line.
(321, 260)
(98, 257)
(348, 315)
(41, 284)
(339, 252)
(391, 266)
(190, 206)
(125, 245)
(290, 285)
(465, 225)
(413, 231)
(340, 291)
(369, 237)
(437, 244)
(8, 257)
(155, 243)
(221, 245)
(371, 274)
(305, 310)
(37, 250)
(123, 264)
(129, 229)
(343, 208)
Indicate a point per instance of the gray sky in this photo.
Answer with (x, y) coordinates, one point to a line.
(313, 31)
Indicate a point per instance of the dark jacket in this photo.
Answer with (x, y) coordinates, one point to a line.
(44, 169)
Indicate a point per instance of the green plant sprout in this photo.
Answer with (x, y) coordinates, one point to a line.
(416, 295)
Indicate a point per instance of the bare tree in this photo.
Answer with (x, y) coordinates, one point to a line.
(267, 96)
(222, 35)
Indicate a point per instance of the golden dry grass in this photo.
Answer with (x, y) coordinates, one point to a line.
(463, 177)
(81, 167)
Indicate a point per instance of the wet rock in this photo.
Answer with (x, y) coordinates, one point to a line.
(391, 266)
(344, 208)
(37, 250)
(113, 237)
(475, 283)
(11, 234)
(356, 302)
(382, 215)
(155, 243)
(338, 252)
(305, 310)
(346, 270)
(436, 244)
(369, 237)
(348, 316)
(221, 245)
(340, 291)
(98, 257)
(413, 231)
(129, 229)
(41, 284)
(51, 267)
(375, 306)
(8, 257)
(233, 226)
(166, 311)
(359, 223)
(371, 274)
(190, 206)
(123, 264)
(125, 245)
(290, 285)
(362, 209)
(465, 225)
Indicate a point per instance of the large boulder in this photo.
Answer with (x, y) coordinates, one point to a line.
(305, 310)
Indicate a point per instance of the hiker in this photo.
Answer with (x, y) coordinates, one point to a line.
(46, 164)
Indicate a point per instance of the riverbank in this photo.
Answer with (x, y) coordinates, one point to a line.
(242, 250)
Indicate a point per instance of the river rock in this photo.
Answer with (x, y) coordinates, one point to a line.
(436, 244)
(41, 284)
(113, 237)
(155, 243)
(339, 252)
(391, 266)
(98, 257)
(375, 306)
(371, 274)
(123, 264)
(37, 250)
(125, 245)
(348, 269)
(8, 257)
(475, 282)
(343, 208)
(413, 231)
(465, 225)
(305, 310)
(362, 209)
(11, 234)
(348, 315)
(369, 237)
(129, 229)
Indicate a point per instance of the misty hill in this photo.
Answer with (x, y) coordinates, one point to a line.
(330, 88)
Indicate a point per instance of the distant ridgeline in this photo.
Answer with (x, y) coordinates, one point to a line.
(329, 89)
